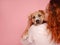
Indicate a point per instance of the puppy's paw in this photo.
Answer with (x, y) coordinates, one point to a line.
(24, 37)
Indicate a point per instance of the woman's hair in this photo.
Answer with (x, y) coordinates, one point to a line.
(53, 23)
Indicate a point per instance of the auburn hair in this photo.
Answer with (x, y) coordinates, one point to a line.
(53, 23)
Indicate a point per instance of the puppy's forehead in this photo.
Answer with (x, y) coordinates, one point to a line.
(36, 13)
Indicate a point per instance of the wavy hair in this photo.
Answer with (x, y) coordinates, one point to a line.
(54, 19)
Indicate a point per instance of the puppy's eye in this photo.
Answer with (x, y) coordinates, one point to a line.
(39, 15)
(33, 17)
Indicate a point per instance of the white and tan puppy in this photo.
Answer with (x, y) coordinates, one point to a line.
(36, 32)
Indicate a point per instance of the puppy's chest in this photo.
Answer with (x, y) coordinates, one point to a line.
(39, 31)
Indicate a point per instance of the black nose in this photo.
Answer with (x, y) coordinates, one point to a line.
(37, 21)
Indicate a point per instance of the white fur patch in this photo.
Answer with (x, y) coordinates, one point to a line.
(38, 35)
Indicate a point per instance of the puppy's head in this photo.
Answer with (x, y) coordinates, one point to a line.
(37, 17)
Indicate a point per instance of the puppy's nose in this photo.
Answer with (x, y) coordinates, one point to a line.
(37, 21)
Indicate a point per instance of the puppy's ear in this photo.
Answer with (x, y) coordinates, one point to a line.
(30, 20)
(29, 23)
(42, 12)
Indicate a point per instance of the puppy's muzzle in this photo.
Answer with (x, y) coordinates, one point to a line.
(37, 21)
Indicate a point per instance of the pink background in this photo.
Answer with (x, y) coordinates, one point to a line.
(13, 18)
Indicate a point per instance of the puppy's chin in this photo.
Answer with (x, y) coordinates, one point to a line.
(37, 23)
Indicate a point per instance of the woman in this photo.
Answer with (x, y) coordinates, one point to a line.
(53, 23)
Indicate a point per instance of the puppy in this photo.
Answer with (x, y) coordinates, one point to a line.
(36, 32)
(34, 18)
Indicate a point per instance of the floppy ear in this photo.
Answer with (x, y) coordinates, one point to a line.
(28, 26)
(30, 20)
(42, 12)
